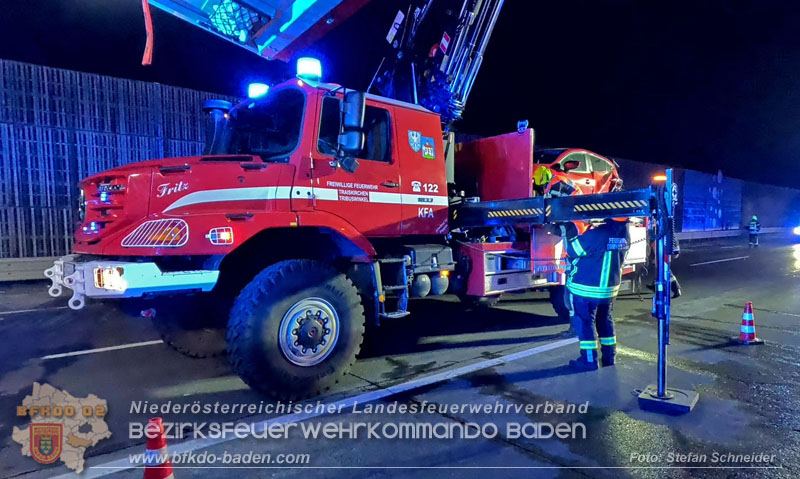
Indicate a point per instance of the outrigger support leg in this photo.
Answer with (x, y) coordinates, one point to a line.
(658, 397)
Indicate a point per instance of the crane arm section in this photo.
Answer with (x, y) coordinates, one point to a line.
(437, 52)
(272, 29)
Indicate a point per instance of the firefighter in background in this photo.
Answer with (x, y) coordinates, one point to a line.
(755, 228)
(596, 259)
(674, 285)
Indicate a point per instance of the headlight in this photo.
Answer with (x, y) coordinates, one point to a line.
(796, 230)
(110, 278)
(82, 205)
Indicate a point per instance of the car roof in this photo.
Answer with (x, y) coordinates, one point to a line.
(562, 151)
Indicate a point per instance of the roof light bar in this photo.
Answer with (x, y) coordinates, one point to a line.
(257, 90)
(309, 68)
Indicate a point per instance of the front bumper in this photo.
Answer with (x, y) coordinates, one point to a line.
(121, 279)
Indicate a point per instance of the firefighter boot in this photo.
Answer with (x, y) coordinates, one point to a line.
(608, 355)
(675, 287)
(586, 362)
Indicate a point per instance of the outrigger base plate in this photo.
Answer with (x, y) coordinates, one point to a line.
(674, 401)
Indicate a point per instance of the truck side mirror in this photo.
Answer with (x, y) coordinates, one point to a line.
(351, 137)
(217, 111)
(353, 107)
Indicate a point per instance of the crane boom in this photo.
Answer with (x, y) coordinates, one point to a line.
(437, 52)
(436, 46)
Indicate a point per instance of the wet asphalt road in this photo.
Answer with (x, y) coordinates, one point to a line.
(748, 395)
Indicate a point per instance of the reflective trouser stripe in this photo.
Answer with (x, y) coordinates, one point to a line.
(571, 306)
(589, 355)
(748, 329)
(588, 344)
(612, 341)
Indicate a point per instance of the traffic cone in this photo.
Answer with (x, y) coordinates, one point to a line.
(157, 452)
(747, 332)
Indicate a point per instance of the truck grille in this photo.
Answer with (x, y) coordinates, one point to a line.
(164, 233)
(102, 204)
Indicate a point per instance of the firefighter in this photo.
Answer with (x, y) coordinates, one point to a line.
(541, 178)
(755, 228)
(596, 259)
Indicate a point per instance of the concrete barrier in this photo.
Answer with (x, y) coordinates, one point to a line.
(700, 235)
(24, 269)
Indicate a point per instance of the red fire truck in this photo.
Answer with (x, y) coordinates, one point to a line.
(315, 210)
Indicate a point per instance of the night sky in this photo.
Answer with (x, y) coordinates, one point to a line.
(709, 84)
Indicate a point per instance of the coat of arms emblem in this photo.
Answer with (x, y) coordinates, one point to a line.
(415, 140)
(46, 442)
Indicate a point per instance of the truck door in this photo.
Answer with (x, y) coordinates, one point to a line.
(422, 168)
(369, 199)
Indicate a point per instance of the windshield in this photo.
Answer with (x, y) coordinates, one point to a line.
(269, 127)
(547, 156)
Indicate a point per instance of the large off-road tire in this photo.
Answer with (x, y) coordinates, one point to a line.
(192, 325)
(558, 298)
(295, 329)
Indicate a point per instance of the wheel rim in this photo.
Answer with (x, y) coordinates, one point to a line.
(309, 331)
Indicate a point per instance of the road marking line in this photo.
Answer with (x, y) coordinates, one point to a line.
(720, 260)
(113, 467)
(20, 311)
(101, 350)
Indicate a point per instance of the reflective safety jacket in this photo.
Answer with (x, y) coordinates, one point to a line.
(754, 226)
(596, 258)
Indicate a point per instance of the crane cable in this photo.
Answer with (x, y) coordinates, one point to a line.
(147, 57)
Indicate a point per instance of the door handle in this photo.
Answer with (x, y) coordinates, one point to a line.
(253, 166)
(390, 184)
(239, 216)
(174, 169)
